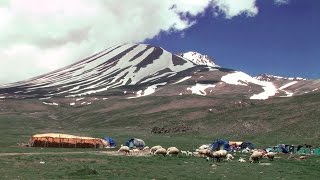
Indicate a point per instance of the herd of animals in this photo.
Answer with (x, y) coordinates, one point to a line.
(202, 151)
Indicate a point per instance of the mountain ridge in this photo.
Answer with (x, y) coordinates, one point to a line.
(137, 70)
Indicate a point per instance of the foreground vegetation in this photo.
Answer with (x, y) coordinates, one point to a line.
(100, 166)
(281, 120)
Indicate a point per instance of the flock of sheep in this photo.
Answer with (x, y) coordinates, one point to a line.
(202, 151)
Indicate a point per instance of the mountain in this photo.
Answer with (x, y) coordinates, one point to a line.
(136, 70)
(199, 59)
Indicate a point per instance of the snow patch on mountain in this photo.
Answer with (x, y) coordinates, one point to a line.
(199, 89)
(288, 94)
(288, 85)
(269, 77)
(241, 78)
(150, 90)
(183, 79)
(199, 59)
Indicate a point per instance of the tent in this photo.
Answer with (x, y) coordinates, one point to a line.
(247, 144)
(220, 144)
(65, 141)
(111, 142)
(316, 151)
(135, 143)
(283, 148)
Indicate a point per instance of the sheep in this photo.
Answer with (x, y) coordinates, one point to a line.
(146, 148)
(270, 155)
(184, 153)
(255, 157)
(173, 150)
(204, 146)
(218, 155)
(189, 153)
(242, 160)
(202, 152)
(195, 154)
(135, 151)
(160, 151)
(229, 157)
(303, 157)
(124, 149)
(154, 149)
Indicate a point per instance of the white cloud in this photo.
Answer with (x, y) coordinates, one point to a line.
(38, 36)
(281, 2)
(231, 8)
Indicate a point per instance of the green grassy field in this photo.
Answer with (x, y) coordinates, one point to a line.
(281, 120)
(100, 166)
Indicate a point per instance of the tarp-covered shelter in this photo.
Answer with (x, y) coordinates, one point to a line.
(283, 148)
(135, 143)
(66, 141)
(247, 144)
(110, 141)
(219, 145)
(316, 151)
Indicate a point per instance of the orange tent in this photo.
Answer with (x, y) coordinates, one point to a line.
(66, 141)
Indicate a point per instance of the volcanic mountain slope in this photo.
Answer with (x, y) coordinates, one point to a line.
(136, 70)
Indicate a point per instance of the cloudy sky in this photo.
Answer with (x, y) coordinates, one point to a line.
(256, 36)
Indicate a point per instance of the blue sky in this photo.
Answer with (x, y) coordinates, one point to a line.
(281, 40)
(255, 36)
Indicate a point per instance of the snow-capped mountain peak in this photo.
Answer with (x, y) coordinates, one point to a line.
(199, 59)
(268, 77)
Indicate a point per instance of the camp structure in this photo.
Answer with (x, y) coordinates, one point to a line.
(135, 143)
(220, 145)
(247, 144)
(66, 141)
(110, 141)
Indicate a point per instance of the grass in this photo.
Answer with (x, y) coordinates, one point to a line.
(280, 120)
(99, 166)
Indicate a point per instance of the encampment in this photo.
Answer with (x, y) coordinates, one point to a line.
(220, 144)
(65, 141)
(111, 142)
(135, 143)
(247, 144)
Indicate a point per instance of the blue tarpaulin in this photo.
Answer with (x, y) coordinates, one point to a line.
(110, 141)
(220, 144)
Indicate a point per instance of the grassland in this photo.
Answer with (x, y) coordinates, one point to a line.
(281, 120)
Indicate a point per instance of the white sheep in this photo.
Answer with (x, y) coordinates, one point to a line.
(242, 160)
(189, 153)
(204, 146)
(173, 151)
(124, 149)
(146, 148)
(184, 153)
(196, 154)
(220, 154)
(202, 152)
(154, 149)
(161, 150)
(135, 151)
(229, 157)
(255, 157)
(271, 155)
